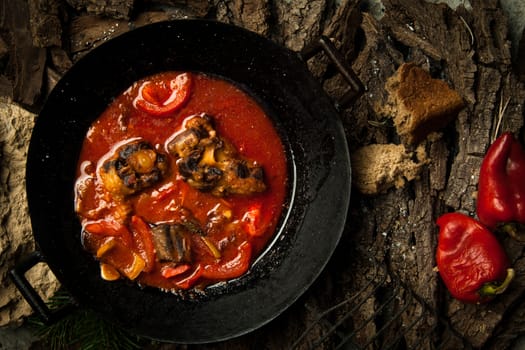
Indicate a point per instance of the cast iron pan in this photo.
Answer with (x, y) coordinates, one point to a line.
(319, 180)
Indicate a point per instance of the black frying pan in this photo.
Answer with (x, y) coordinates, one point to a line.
(319, 178)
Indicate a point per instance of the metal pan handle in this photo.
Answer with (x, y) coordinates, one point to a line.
(17, 274)
(326, 45)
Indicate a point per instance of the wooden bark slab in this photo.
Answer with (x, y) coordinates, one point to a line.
(46, 29)
(470, 51)
(26, 63)
(120, 9)
(380, 287)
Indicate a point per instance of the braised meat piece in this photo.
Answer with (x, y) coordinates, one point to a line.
(132, 168)
(210, 163)
(172, 242)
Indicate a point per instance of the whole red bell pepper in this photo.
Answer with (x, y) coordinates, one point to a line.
(501, 188)
(470, 260)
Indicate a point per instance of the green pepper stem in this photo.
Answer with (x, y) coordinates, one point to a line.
(513, 229)
(493, 288)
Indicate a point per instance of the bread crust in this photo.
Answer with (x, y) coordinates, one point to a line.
(420, 104)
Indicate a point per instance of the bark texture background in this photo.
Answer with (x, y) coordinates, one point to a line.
(379, 287)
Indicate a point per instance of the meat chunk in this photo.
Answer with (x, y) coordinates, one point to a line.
(210, 163)
(132, 168)
(172, 242)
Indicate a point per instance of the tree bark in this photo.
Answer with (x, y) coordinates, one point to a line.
(384, 264)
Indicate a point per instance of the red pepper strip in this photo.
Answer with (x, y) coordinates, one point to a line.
(251, 220)
(254, 224)
(190, 280)
(109, 228)
(172, 271)
(105, 228)
(143, 241)
(162, 98)
(501, 188)
(471, 262)
(231, 268)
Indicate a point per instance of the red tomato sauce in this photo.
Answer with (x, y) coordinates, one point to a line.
(117, 230)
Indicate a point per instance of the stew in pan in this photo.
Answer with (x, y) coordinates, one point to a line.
(180, 183)
(317, 179)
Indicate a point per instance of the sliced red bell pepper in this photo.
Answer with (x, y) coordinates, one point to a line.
(232, 268)
(470, 260)
(253, 221)
(190, 280)
(143, 241)
(501, 188)
(105, 228)
(172, 271)
(162, 98)
(109, 228)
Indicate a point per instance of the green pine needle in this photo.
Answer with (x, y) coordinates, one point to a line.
(82, 329)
